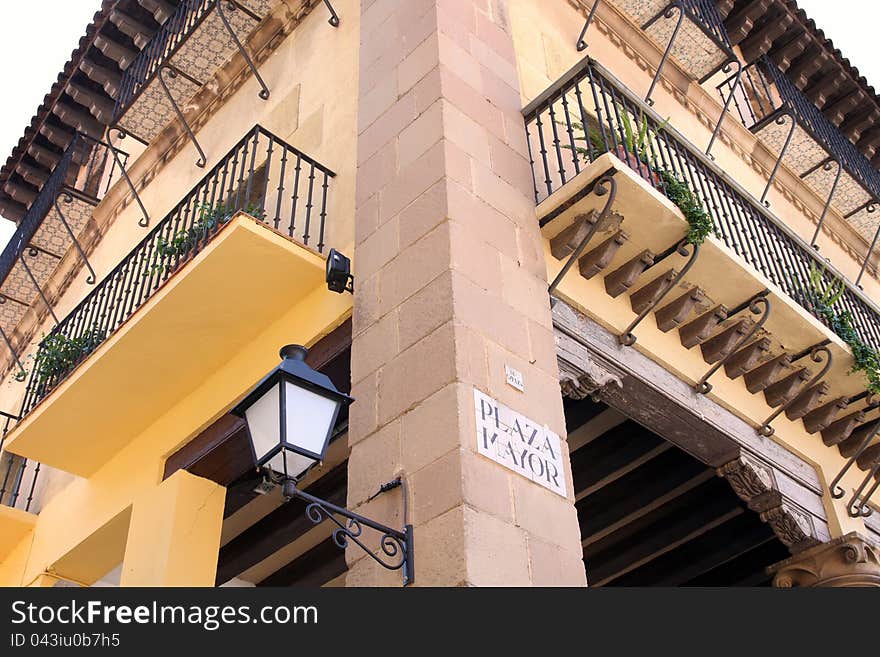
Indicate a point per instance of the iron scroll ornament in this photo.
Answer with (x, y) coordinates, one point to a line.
(395, 544)
(816, 356)
(605, 185)
(627, 338)
(759, 305)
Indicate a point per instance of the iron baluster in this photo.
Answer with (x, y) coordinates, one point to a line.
(309, 204)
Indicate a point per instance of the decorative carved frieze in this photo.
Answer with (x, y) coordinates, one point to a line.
(850, 560)
(755, 483)
(586, 380)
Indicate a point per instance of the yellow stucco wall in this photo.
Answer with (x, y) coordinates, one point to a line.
(312, 75)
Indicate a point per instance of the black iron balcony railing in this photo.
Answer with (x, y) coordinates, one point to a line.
(262, 175)
(87, 169)
(705, 13)
(757, 106)
(588, 112)
(18, 476)
(162, 46)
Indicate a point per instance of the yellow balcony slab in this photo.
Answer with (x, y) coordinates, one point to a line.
(221, 301)
(653, 222)
(14, 526)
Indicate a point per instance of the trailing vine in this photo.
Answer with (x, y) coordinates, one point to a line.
(700, 223)
(58, 354)
(822, 298)
(186, 240)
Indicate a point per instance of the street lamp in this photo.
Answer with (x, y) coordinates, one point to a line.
(290, 417)
(291, 414)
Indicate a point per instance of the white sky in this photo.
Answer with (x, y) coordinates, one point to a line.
(851, 24)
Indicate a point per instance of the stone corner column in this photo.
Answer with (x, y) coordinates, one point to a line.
(850, 560)
(450, 289)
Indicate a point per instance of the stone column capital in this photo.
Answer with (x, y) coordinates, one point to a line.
(850, 560)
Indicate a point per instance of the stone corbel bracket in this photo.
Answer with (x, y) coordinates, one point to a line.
(755, 484)
(850, 560)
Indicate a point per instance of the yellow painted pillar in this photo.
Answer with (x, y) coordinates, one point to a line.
(174, 535)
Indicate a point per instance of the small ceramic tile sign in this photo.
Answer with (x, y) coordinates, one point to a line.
(519, 443)
(514, 378)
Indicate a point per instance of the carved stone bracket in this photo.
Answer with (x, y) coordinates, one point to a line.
(755, 484)
(587, 379)
(850, 560)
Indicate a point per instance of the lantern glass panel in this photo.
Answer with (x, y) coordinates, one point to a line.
(310, 418)
(264, 422)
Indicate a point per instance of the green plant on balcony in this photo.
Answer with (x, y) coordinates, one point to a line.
(700, 224)
(638, 141)
(58, 354)
(183, 241)
(821, 297)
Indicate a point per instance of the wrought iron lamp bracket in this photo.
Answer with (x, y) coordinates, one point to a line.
(856, 507)
(39, 289)
(581, 44)
(21, 371)
(605, 185)
(827, 167)
(780, 120)
(627, 338)
(734, 61)
(668, 12)
(396, 545)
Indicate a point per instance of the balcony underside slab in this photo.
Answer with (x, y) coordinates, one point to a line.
(652, 222)
(699, 55)
(14, 526)
(201, 53)
(151, 111)
(241, 283)
(803, 156)
(54, 238)
(210, 46)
